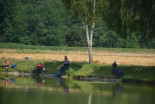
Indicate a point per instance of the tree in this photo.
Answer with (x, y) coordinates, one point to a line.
(75, 36)
(7, 10)
(85, 10)
(128, 17)
(36, 22)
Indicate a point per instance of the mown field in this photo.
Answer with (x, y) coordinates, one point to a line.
(99, 59)
(99, 56)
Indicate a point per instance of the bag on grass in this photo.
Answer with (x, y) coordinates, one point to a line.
(13, 66)
(119, 73)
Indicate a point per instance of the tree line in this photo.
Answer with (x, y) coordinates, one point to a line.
(47, 22)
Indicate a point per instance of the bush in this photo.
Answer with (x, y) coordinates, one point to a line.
(70, 72)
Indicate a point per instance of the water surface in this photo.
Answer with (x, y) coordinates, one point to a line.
(39, 90)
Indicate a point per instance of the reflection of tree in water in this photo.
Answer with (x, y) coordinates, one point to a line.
(90, 98)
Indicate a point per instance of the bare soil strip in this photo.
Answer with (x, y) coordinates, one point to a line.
(104, 58)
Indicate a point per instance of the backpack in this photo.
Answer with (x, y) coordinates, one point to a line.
(119, 73)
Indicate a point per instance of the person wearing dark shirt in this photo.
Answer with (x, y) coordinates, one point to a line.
(114, 69)
(65, 66)
(66, 63)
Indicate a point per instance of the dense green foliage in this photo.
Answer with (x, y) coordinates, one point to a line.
(38, 22)
(46, 22)
(130, 16)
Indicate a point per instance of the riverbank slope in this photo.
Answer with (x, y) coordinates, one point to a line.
(131, 73)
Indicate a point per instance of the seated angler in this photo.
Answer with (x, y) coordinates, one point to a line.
(6, 64)
(65, 66)
(39, 68)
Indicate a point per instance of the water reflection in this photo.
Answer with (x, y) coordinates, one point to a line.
(38, 80)
(63, 84)
(89, 98)
(13, 80)
(116, 88)
(6, 81)
(67, 91)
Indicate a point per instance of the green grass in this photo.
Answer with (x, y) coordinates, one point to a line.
(130, 73)
(130, 50)
(22, 48)
(139, 73)
(30, 66)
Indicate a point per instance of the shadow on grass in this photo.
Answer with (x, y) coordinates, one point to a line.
(102, 71)
(53, 67)
(76, 66)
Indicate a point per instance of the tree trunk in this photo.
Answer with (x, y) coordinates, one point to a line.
(90, 53)
(89, 41)
(90, 36)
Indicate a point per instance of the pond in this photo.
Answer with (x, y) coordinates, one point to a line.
(40, 90)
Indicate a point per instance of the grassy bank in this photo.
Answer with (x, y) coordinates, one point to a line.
(130, 73)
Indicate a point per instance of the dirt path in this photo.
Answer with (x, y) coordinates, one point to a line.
(108, 59)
